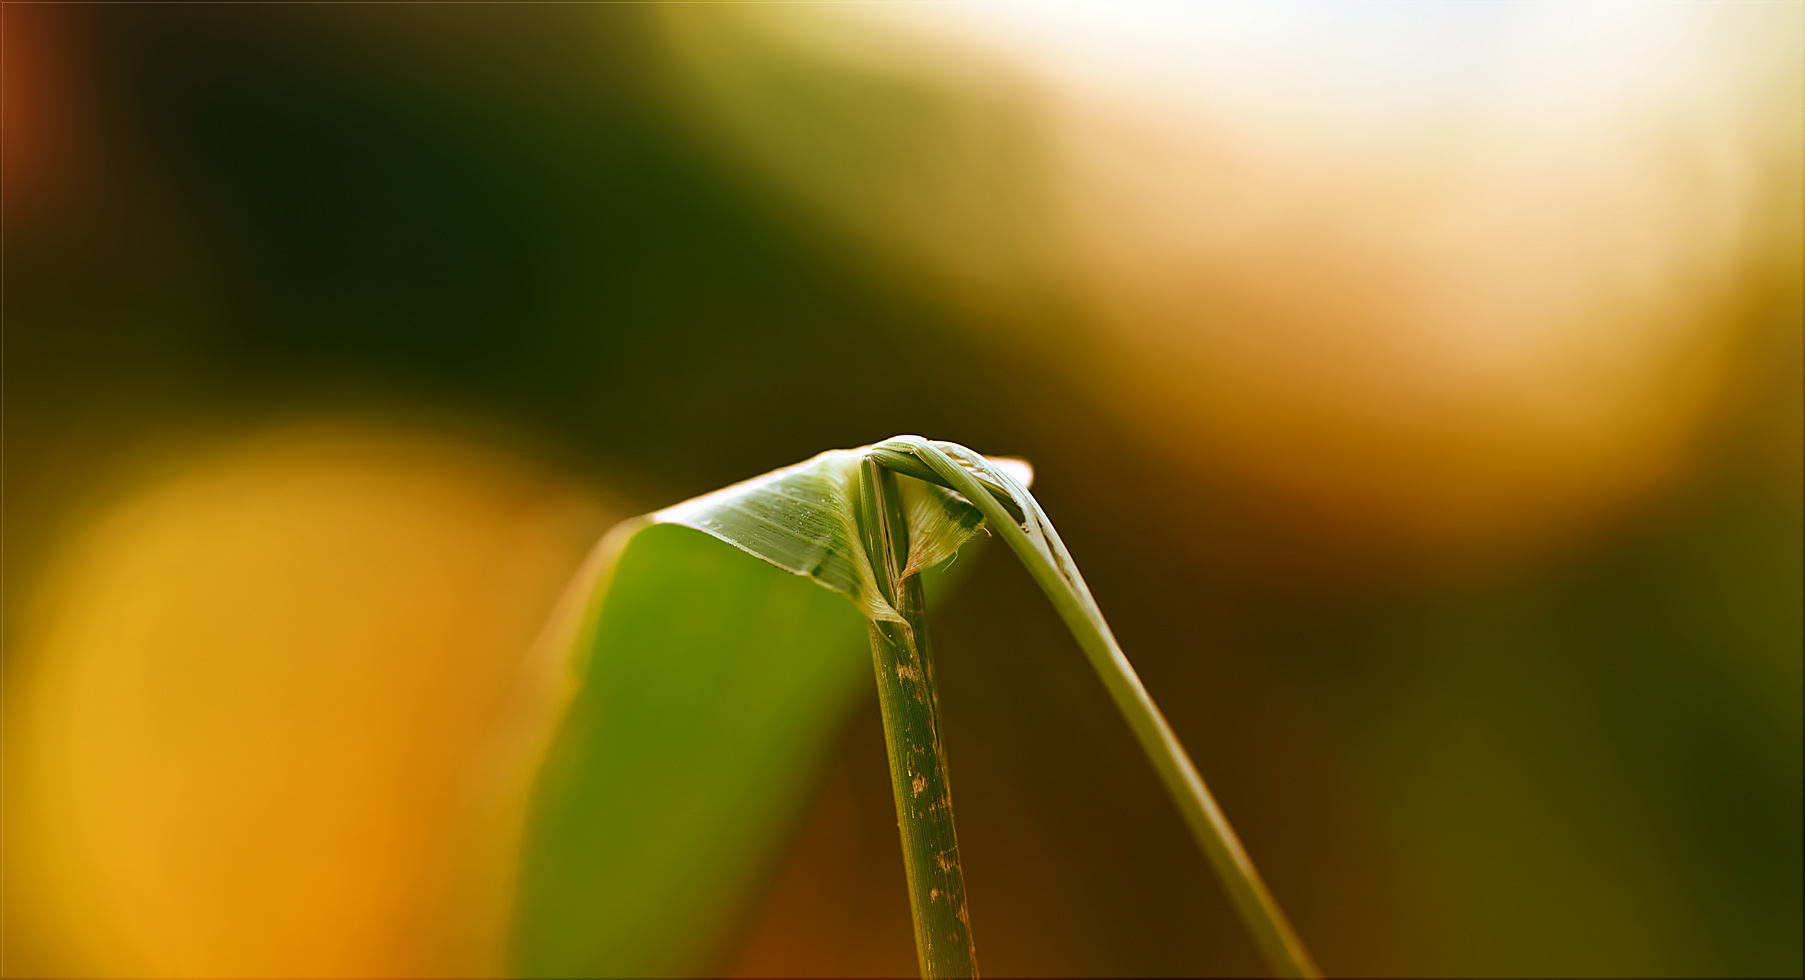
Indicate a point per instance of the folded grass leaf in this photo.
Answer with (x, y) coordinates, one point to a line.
(802, 519)
(710, 682)
(707, 685)
(1038, 546)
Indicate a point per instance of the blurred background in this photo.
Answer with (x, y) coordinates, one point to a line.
(1418, 386)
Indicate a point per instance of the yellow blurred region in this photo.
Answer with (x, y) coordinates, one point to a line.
(1464, 275)
(1468, 324)
(277, 710)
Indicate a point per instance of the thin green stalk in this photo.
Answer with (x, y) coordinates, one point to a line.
(1038, 546)
(905, 685)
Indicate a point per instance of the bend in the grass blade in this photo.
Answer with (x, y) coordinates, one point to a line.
(802, 519)
(1038, 546)
(699, 690)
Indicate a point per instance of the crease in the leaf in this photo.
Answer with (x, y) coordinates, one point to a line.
(803, 519)
(819, 541)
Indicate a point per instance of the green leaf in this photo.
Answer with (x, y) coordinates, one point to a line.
(708, 687)
(803, 519)
(713, 686)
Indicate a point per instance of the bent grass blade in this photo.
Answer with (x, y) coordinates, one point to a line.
(707, 685)
(1038, 546)
(858, 529)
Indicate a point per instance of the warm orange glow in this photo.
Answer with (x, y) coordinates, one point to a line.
(278, 708)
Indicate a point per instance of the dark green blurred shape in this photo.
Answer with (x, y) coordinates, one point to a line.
(501, 213)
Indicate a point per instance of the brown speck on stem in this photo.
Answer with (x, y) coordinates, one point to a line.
(911, 733)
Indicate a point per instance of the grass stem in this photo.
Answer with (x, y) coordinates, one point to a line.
(1038, 546)
(905, 684)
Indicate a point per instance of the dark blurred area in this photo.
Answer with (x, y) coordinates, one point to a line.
(496, 228)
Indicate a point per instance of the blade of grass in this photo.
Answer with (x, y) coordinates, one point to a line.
(710, 687)
(705, 687)
(918, 773)
(1038, 546)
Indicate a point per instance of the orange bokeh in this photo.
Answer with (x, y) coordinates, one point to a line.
(279, 706)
